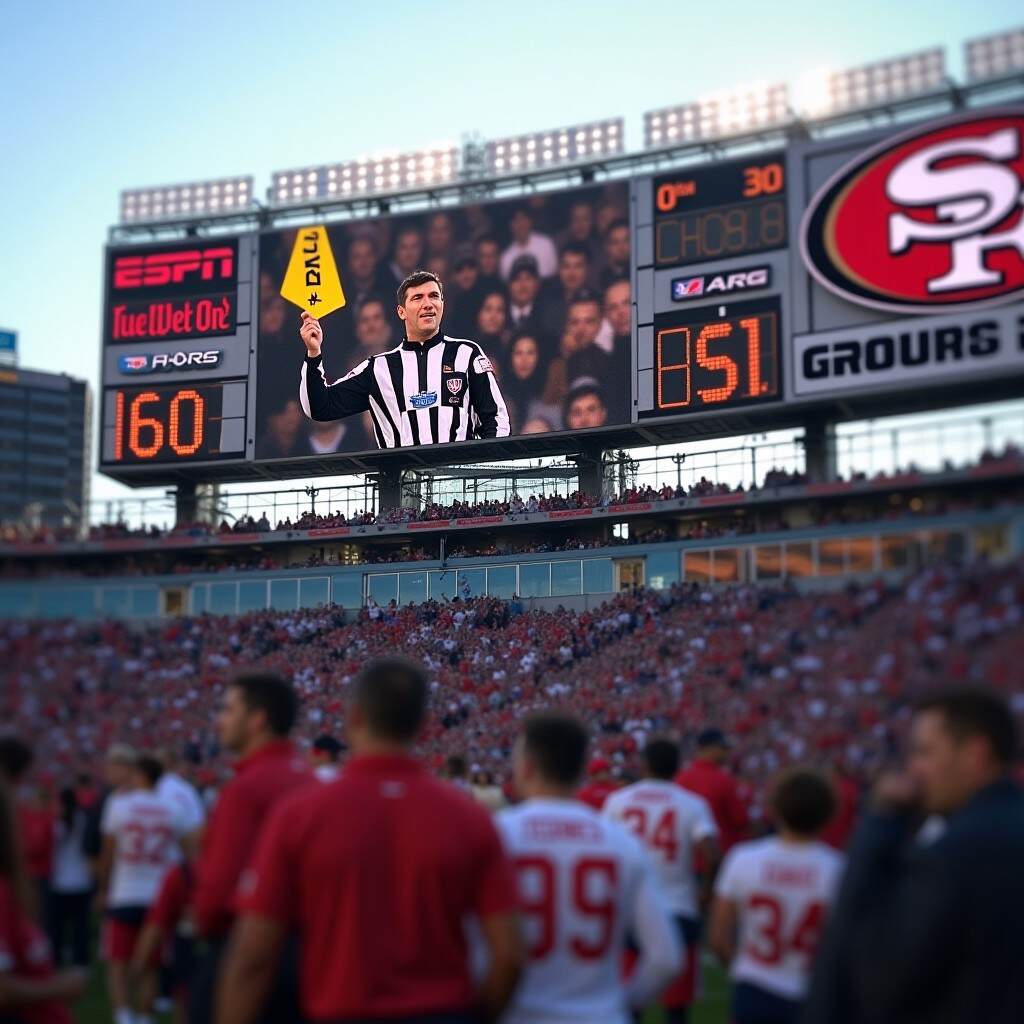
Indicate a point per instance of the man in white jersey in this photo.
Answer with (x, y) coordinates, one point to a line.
(771, 900)
(175, 787)
(584, 884)
(674, 825)
(142, 833)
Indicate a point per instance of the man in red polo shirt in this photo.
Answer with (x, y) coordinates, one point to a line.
(256, 717)
(377, 873)
(600, 785)
(707, 778)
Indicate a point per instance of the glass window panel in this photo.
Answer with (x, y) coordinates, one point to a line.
(535, 579)
(799, 559)
(347, 589)
(223, 598)
(442, 584)
(501, 581)
(383, 587)
(145, 602)
(284, 595)
(830, 557)
(565, 578)
(412, 587)
(597, 575)
(476, 579)
(314, 591)
(992, 541)
(252, 595)
(662, 569)
(725, 565)
(16, 602)
(895, 551)
(860, 554)
(768, 559)
(114, 601)
(698, 566)
(198, 595)
(947, 546)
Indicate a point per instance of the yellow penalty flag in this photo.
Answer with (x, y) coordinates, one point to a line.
(311, 280)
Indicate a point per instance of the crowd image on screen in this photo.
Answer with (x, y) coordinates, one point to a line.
(542, 285)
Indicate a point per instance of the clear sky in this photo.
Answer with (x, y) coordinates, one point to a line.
(100, 96)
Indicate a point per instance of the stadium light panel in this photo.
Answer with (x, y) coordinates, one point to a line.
(994, 56)
(367, 176)
(172, 202)
(884, 81)
(715, 116)
(554, 147)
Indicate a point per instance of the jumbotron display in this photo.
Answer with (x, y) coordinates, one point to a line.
(824, 280)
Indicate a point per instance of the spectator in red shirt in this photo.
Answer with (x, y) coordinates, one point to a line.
(601, 784)
(377, 873)
(256, 718)
(30, 990)
(707, 778)
(37, 823)
(838, 831)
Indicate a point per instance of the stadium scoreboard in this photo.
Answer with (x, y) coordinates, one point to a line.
(848, 275)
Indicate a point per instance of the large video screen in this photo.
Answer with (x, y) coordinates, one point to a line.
(540, 284)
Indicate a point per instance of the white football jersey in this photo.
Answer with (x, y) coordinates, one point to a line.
(669, 821)
(584, 882)
(146, 829)
(783, 892)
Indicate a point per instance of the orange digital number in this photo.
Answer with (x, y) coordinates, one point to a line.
(118, 426)
(683, 367)
(762, 181)
(136, 422)
(174, 422)
(722, 364)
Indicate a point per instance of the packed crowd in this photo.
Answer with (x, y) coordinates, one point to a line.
(791, 677)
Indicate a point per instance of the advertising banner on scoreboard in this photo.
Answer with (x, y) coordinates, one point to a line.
(541, 284)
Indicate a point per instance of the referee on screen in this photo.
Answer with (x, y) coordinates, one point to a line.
(428, 390)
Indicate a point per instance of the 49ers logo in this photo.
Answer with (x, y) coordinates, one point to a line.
(929, 220)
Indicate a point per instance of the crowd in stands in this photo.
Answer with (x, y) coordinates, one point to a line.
(433, 511)
(790, 677)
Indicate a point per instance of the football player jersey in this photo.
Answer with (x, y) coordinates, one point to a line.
(146, 828)
(669, 821)
(783, 892)
(583, 883)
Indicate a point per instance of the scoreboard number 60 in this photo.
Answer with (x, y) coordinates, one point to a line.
(146, 433)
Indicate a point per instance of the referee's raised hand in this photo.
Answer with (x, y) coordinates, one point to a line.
(312, 334)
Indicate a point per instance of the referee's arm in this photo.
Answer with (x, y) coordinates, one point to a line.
(323, 401)
(489, 411)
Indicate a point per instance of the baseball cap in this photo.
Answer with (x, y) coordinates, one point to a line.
(598, 765)
(712, 738)
(328, 744)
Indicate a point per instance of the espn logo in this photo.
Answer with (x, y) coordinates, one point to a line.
(684, 288)
(156, 270)
(169, 361)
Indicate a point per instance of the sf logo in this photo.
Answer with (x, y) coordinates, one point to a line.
(969, 188)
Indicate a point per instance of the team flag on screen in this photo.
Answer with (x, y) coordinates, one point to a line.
(311, 280)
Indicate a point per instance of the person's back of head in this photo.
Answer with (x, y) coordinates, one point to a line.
(455, 767)
(661, 758)
(389, 704)
(327, 749)
(962, 740)
(551, 754)
(258, 707)
(15, 759)
(147, 770)
(802, 802)
(712, 746)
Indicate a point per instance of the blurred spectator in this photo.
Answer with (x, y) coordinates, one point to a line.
(707, 777)
(407, 253)
(488, 257)
(527, 242)
(71, 884)
(492, 325)
(523, 380)
(556, 294)
(585, 407)
(616, 252)
(523, 288)
(440, 235)
(923, 930)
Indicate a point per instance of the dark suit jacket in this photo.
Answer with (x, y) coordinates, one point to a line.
(929, 934)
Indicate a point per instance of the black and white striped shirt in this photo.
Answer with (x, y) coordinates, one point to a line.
(437, 391)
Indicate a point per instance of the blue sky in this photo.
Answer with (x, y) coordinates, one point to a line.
(96, 97)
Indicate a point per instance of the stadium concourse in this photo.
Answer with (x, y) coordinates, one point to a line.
(790, 677)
